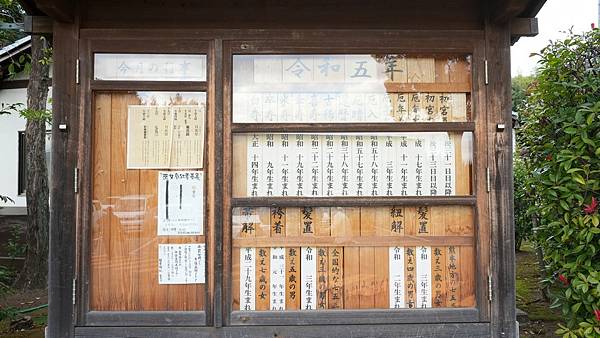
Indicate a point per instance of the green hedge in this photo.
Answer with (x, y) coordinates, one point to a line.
(560, 150)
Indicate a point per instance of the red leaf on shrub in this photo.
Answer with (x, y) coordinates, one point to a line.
(591, 208)
(563, 279)
(549, 157)
(597, 313)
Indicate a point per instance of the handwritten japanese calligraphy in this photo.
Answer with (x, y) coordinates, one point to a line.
(277, 279)
(423, 268)
(453, 277)
(150, 67)
(409, 164)
(336, 278)
(396, 277)
(247, 279)
(410, 278)
(180, 203)
(308, 272)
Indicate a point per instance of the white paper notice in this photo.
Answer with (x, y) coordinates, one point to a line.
(407, 164)
(299, 151)
(403, 166)
(247, 279)
(361, 147)
(255, 164)
(165, 137)
(277, 279)
(316, 169)
(180, 203)
(329, 164)
(449, 158)
(181, 263)
(389, 187)
(374, 163)
(343, 182)
(434, 159)
(308, 273)
(270, 160)
(423, 261)
(418, 147)
(396, 280)
(284, 170)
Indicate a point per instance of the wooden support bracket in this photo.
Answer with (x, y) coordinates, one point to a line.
(38, 25)
(523, 27)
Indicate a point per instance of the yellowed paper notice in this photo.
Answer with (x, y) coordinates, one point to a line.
(165, 137)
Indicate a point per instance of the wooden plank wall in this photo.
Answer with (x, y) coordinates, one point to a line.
(336, 14)
(359, 279)
(124, 252)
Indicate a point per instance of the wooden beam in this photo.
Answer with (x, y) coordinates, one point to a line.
(502, 11)
(29, 7)
(533, 8)
(13, 84)
(59, 10)
(351, 201)
(37, 24)
(351, 127)
(523, 27)
(435, 329)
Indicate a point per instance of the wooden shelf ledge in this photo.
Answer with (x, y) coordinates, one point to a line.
(390, 88)
(370, 127)
(351, 201)
(352, 241)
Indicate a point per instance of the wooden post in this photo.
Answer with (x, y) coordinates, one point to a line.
(498, 106)
(62, 193)
(217, 173)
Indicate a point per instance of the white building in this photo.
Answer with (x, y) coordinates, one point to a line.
(12, 127)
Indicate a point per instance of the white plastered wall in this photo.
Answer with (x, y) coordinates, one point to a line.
(10, 126)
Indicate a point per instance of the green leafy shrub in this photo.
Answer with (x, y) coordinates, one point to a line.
(560, 141)
(519, 91)
(523, 224)
(7, 276)
(520, 86)
(15, 246)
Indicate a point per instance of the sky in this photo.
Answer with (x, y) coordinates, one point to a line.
(556, 17)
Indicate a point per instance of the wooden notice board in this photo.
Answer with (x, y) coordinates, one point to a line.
(401, 255)
(126, 271)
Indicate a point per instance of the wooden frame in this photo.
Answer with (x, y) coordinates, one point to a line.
(325, 46)
(349, 317)
(471, 330)
(72, 103)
